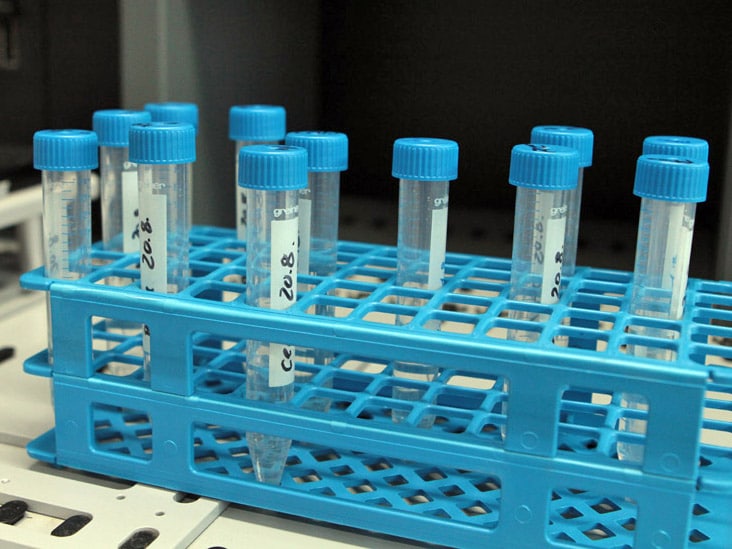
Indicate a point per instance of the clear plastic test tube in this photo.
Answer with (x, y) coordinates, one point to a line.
(253, 125)
(319, 202)
(65, 158)
(119, 200)
(318, 214)
(178, 111)
(424, 167)
(581, 139)
(163, 152)
(670, 188)
(543, 176)
(272, 176)
(118, 178)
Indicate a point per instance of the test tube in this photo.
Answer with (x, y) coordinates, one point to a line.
(272, 176)
(581, 139)
(253, 125)
(163, 152)
(118, 178)
(65, 158)
(177, 111)
(543, 176)
(424, 167)
(318, 214)
(319, 202)
(669, 187)
(693, 148)
(119, 201)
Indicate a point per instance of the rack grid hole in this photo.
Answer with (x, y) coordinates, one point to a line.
(117, 347)
(122, 431)
(586, 518)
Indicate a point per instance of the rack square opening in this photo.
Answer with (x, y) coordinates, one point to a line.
(590, 518)
(122, 431)
(117, 347)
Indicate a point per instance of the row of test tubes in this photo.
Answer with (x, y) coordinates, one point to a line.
(287, 212)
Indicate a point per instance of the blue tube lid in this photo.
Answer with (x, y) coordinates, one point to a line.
(257, 123)
(273, 167)
(162, 143)
(544, 167)
(573, 137)
(65, 150)
(174, 111)
(113, 125)
(327, 151)
(671, 178)
(425, 159)
(693, 148)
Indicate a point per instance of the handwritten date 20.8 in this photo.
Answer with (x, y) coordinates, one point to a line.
(286, 290)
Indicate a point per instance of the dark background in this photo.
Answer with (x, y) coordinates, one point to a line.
(485, 73)
(481, 73)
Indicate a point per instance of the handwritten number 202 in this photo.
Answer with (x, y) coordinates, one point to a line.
(147, 249)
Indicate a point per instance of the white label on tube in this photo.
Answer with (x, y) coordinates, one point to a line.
(549, 234)
(130, 219)
(281, 364)
(283, 259)
(678, 250)
(153, 243)
(438, 243)
(282, 294)
(304, 213)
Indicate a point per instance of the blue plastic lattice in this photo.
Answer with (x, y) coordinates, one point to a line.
(526, 463)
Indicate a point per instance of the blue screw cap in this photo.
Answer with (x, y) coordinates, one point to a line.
(273, 167)
(425, 159)
(671, 178)
(327, 151)
(692, 148)
(113, 125)
(544, 167)
(172, 111)
(257, 123)
(573, 137)
(162, 143)
(65, 150)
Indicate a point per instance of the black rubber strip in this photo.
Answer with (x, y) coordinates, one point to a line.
(12, 511)
(140, 539)
(6, 353)
(70, 526)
